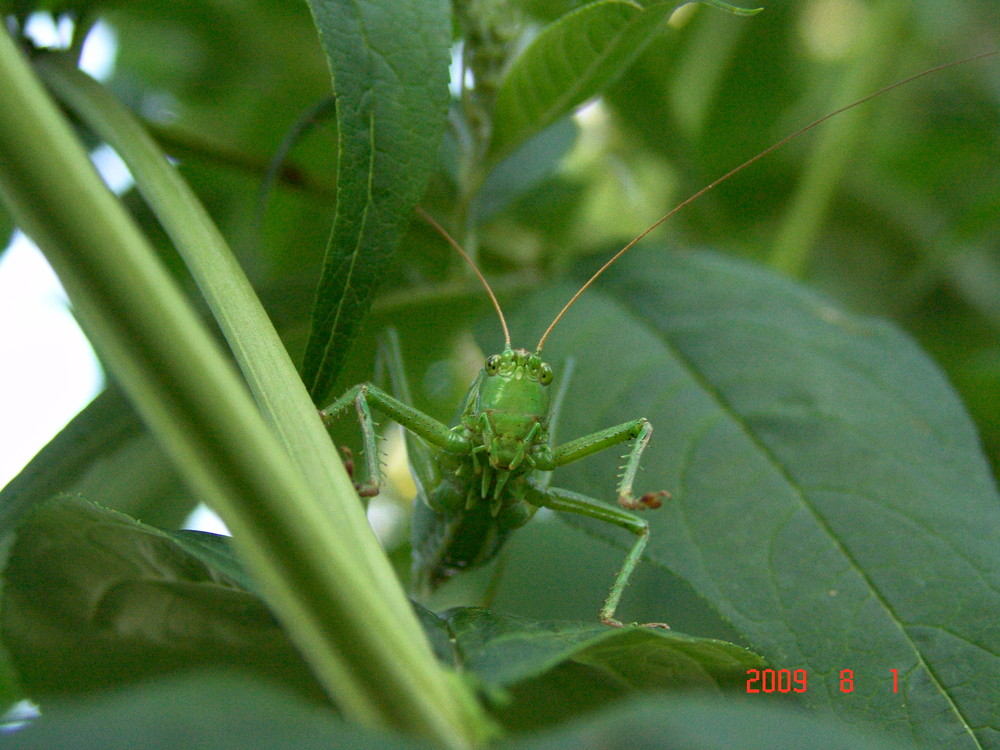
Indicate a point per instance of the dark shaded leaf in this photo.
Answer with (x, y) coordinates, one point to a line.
(683, 723)
(438, 634)
(216, 551)
(92, 599)
(535, 160)
(222, 711)
(504, 650)
(6, 230)
(390, 77)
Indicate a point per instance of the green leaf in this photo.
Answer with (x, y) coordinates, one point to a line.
(92, 599)
(654, 722)
(223, 711)
(568, 63)
(216, 551)
(546, 671)
(571, 61)
(830, 497)
(389, 62)
(504, 650)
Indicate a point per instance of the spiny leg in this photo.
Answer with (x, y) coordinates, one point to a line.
(366, 397)
(566, 501)
(369, 485)
(639, 431)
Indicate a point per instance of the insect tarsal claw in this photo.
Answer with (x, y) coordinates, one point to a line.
(611, 622)
(366, 490)
(654, 500)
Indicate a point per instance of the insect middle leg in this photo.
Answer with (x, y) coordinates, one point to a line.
(566, 501)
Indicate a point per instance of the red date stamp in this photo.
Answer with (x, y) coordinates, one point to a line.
(797, 680)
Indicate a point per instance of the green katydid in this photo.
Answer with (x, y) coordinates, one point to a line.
(486, 467)
(486, 476)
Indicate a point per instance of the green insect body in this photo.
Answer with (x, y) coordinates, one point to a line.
(485, 477)
(482, 495)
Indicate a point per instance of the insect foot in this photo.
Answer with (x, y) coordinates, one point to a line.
(650, 500)
(364, 490)
(612, 622)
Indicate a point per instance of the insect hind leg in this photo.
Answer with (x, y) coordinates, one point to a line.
(566, 501)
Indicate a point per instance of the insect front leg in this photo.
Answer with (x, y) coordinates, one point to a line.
(638, 431)
(566, 501)
(366, 397)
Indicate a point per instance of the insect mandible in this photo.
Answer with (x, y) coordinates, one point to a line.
(485, 476)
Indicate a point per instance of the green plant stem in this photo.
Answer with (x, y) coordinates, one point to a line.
(836, 145)
(311, 553)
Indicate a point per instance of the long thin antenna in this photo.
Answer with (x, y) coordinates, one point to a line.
(744, 165)
(451, 241)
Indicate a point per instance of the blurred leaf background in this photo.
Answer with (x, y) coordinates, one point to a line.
(891, 210)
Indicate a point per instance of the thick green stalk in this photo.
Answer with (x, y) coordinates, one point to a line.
(310, 555)
(836, 145)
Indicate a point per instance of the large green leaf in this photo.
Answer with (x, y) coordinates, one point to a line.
(830, 496)
(656, 722)
(389, 62)
(93, 599)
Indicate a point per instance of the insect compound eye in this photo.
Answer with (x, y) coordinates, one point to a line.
(545, 374)
(493, 364)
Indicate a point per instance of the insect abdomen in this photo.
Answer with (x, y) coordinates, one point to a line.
(447, 543)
